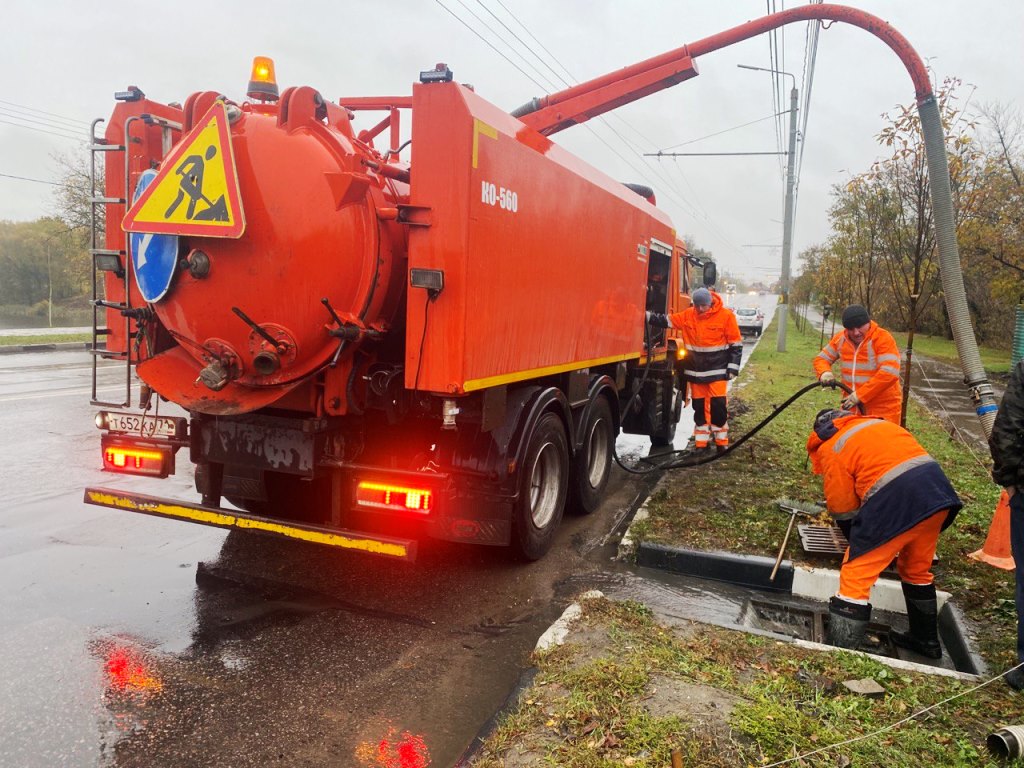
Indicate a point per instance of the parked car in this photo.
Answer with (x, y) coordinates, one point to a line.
(750, 321)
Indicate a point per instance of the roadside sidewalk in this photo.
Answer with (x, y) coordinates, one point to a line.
(13, 349)
(43, 346)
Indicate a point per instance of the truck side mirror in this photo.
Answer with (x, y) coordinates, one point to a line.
(710, 273)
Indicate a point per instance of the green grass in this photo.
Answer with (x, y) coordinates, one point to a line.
(996, 361)
(49, 338)
(589, 704)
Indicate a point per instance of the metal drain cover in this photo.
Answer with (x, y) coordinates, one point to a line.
(823, 539)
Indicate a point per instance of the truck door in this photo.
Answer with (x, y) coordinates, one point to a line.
(659, 267)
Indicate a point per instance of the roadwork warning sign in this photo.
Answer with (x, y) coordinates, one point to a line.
(195, 191)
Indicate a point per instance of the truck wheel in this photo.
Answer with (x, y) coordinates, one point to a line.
(666, 433)
(542, 489)
(593, 461)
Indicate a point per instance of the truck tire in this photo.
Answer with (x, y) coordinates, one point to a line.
(543, 484)
(666, 433)
(593, 460)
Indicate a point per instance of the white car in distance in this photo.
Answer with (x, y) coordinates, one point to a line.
(750, 321)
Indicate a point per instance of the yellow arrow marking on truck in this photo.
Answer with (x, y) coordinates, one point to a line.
(480, 127)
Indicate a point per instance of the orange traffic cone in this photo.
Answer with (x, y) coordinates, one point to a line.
(997, 544)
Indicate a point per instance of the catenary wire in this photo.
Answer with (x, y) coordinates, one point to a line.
(54, 115)
(26, 178)
(525, 45)
(549, 85)
(489, 44)
(43, 130)
(42, 122)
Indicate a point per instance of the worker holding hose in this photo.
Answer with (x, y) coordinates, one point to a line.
(870, 363)
(898, 500)
(714, 349)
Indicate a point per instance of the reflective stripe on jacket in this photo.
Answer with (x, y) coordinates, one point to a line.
(712, 340)
(876, 473)
(871, 369)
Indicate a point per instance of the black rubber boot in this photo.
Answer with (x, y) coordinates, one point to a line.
(847, 622)
(922, 614)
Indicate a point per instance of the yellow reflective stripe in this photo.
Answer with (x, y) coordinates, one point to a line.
(332, 539)
(171, 510)
(234, 521)
(493, 381)
(480, 127)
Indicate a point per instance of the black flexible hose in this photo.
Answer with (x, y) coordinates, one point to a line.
(681, 464)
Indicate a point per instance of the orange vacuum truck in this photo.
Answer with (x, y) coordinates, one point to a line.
(372, 349)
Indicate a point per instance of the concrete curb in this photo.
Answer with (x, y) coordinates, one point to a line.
(64, 346)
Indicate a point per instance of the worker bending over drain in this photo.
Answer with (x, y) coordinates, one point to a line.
(898, 500)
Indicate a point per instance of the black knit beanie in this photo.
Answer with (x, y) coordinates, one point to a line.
(854, 316)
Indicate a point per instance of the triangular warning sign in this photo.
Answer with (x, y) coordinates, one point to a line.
(196, 190)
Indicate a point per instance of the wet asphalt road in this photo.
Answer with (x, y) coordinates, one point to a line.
(127, 640)
(132, 641)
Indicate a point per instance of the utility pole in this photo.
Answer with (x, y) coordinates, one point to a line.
(787, 227)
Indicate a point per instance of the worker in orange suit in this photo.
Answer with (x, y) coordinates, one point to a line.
(898, 500)
(714, 348)
(870, 365)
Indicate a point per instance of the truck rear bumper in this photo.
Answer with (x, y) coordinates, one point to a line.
(403, 549)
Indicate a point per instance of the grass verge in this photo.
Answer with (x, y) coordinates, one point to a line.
(626, 691)
(50, 338)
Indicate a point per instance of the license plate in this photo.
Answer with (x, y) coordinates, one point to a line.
(145, 426)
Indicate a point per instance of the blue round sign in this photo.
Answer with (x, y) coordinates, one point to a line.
(154, 257)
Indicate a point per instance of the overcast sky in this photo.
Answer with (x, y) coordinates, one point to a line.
(63, 59)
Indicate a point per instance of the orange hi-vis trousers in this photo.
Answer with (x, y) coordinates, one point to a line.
(710, 413)
(913, 549)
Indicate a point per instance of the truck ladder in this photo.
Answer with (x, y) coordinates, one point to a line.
(98, 202)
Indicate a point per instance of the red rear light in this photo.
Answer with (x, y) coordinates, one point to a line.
(397, 497)
(129, 458)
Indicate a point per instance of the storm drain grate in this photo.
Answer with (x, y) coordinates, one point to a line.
(810, 624)
(828, 540)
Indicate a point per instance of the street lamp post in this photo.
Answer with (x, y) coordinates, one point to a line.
(787, 227)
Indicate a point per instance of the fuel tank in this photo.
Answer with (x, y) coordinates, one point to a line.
(252, 315)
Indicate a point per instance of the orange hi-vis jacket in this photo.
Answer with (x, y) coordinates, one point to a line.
(714, 346)
(871, 370)
(878, 475)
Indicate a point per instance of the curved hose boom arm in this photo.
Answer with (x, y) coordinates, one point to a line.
(552, 113)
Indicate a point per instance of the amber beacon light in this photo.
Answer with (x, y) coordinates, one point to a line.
(263, 81)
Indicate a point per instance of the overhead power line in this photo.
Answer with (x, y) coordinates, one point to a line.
(726, 130)
(489, 44)
(43, 130)
(26, 178)
(44, 123)
(52, 115)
